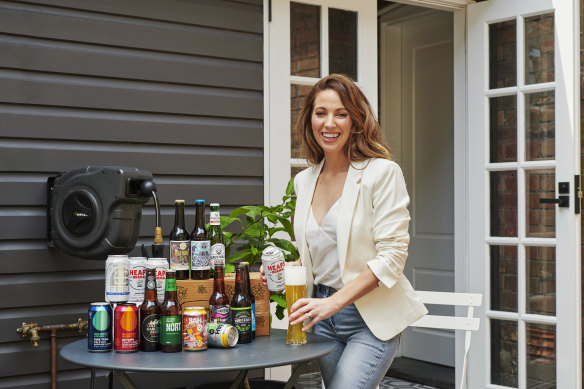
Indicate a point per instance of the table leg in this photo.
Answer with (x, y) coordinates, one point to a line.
(109, 379)
(124, 379)
(237, 383)
(295, 375)
(92, 382)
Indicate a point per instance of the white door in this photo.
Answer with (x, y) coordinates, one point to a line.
(417, 113)
(523, 146)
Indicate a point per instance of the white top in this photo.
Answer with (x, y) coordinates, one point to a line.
(322, 244)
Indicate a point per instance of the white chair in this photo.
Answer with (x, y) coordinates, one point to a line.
(466, 323)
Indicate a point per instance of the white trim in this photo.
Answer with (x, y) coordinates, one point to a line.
(446, 5)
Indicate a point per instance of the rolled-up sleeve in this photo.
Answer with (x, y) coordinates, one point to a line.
(390, 224)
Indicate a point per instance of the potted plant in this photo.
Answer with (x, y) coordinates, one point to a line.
(257, 227)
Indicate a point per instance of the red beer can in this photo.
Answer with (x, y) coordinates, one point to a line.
(126, 328)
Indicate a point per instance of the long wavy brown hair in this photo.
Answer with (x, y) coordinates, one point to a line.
(365, 140)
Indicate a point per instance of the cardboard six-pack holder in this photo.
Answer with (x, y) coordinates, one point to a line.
(196, 293)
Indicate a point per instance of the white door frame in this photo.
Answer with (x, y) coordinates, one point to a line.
(567, 241)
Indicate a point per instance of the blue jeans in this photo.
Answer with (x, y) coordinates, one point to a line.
(360, 360)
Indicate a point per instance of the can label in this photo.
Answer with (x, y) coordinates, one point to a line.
(219, 313)
(222, 335)
(126, 328)
(218, 254)
(117, 288)
(274, 263)
(100, 328)
(200, 254)
(161, 264)
(180, 254)
(241, 318)
(253, 321)
(136, 280)
(195, 329)
(170, 330)
(151, 328)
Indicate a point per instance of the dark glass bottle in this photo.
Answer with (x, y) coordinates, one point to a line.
(219, 302)
(216, 237)
(170, 317)
(200, 245)
(180, 245)
(150, 314)
(241, 305)
(252, 299)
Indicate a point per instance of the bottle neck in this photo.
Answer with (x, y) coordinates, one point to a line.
(179, 215)
(215, 216)
(219, 280)
(199, 215)
(150, 287)
(241, 278)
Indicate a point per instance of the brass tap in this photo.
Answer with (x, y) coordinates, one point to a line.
(31, 330)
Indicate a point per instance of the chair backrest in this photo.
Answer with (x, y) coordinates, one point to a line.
(466, 323)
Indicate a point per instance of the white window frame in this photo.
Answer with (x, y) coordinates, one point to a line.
(277, 80)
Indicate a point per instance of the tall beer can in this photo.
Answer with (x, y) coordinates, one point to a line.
(126, 328)
(161, 265)
(195, 329)
(117, 287)
(99, 320)
(274, 263)
(137, 278)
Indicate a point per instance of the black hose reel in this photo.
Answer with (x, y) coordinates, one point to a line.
(95, 211)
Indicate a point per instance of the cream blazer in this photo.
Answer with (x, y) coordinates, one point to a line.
(372, 231)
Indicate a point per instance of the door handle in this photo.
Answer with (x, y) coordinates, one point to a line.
(562, 201)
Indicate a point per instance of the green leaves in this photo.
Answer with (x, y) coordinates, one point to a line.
(280, 300)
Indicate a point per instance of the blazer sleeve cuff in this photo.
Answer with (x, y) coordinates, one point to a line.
(383, 274)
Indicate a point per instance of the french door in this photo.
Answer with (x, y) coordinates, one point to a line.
(523, 153)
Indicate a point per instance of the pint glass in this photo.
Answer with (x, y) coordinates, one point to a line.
(295, 289)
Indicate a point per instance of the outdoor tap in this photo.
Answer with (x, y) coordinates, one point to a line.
(31, 330)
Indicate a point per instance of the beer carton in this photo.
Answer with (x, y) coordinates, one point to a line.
(196, 293)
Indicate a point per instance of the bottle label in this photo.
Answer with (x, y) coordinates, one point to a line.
(200, 254)
(253, 321)
(180, 254)
(170, 285)
(151, 328)
(241, 318)
(218, 254)
(215, 218)
(170, 330)
(219, 313)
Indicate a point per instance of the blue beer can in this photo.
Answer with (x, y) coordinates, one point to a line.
(100, 328)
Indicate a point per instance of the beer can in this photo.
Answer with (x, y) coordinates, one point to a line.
(161, 265)
(137, 276)
(195, 329)
(99, 320)
(274, 263)
(117, 288)
(222, 335)
(126, 328)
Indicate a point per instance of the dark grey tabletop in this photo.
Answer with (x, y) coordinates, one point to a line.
(264, 351)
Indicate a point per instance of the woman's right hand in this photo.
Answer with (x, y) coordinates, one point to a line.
(298, 262)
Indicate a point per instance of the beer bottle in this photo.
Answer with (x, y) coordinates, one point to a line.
(241, 306)
(180, 246)
(170, 317)
(150, 314)
(219, 302)
(252, 299)
(216, 237)
(200, 245)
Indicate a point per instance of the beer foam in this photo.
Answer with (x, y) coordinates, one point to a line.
(295, 275)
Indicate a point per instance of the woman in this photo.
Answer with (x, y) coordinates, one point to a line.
(351, 226)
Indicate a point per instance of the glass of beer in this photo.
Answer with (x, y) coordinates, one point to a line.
(295, 277)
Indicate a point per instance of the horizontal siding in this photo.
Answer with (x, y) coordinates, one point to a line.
(173, 87)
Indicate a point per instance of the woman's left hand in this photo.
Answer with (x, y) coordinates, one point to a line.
(313, 310)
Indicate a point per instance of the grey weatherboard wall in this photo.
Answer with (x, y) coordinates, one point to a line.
(174, 87)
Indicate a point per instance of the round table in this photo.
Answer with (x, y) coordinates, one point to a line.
(262, 352)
